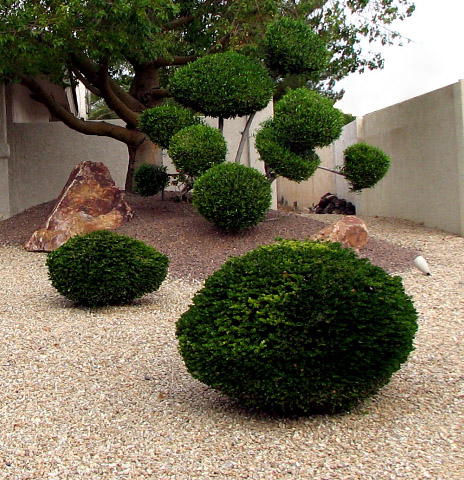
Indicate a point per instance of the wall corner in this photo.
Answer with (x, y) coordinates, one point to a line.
(459, 119)
(4, 158)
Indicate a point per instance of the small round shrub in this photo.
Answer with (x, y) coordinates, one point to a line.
(105, 268)
(150, 179)
(364, 165)
(306, 120)
(195, 149)
(292, 47)
(281, 160)
(298, 328)
(232, 196)
(161, 123)
(223, 85)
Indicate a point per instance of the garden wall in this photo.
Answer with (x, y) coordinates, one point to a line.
(424, 137)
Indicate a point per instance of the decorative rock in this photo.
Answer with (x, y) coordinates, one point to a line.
(350, 231)
(89, 201)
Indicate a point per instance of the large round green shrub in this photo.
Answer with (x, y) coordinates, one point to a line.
(223, 85)
(281, 160)
(232, 196)
(364, 165)
(306, 120)
(161, 123)
(298, 327)
(105, 268)
(292, 47)
(150, 179)
(195, 149)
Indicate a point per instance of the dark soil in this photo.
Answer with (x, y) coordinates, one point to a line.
(194, 246)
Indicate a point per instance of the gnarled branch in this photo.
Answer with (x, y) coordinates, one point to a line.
(105, 129)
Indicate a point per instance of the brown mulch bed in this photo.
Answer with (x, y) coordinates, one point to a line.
(194, 246)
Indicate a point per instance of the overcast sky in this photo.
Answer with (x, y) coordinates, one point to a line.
(434, 59)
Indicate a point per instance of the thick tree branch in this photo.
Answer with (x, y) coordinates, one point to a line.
(178, 22)
(160, 93)
(176, 60)
(104, 129)
(90, 70)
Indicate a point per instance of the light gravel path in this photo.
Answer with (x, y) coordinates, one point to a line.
(103, 394)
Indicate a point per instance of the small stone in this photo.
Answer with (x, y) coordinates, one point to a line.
(350, 231)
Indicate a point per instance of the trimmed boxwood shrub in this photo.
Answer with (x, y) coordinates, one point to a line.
(223, 85)
(281, 160)
(364, 165)
(298, 327)
(232, 196)
(292, 47)
(161, 123)
(150, 179)
(306, 120)
(195, 149)
(105, 268)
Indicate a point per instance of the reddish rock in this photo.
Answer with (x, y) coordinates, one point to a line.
(89, 201)
(350, 231)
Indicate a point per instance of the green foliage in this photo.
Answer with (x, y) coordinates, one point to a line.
(298, 327)
(161, 123)
(105, 268)
(281, 159)
(364, 165)
(232, 196)
(305, 120)
(292, 47)
(150, 179)
(195, 149)
(223, 85)
(348, 118)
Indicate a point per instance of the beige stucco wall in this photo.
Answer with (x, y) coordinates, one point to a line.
(423, 137)
(43, 155)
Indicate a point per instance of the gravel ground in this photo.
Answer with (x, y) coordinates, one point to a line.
(103, 394)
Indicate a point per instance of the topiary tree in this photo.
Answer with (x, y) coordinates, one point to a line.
(161, 123)
(291, 46)
(105, 268)
(150, 179)
(223, 85)
(196, 148)
(364, 165)
(280, 160)
(298, 327)
(232, 196)
(303, 120)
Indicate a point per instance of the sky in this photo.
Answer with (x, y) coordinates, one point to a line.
(433, 59)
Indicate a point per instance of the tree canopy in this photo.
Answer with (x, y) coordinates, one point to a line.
(101, 42)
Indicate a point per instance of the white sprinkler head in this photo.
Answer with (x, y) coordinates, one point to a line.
(421, 264)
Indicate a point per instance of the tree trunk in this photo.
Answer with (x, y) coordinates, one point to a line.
(144, 152)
